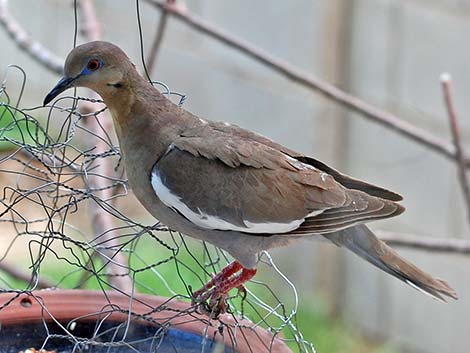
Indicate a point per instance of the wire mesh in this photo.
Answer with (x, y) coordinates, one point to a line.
(49, 207)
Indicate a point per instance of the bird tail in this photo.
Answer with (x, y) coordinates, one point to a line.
(360, 240)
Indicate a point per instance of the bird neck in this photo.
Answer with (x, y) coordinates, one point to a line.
(120, 97)
(146, 122)
(139, 108)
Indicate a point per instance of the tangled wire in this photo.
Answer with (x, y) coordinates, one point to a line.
(68, 223)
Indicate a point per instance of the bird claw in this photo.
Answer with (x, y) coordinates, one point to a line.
(211, 299)
(211, 303)
(241, 289)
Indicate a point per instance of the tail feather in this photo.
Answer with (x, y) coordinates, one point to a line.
(360, 240)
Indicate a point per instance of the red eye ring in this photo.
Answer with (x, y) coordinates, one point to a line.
(93, 65)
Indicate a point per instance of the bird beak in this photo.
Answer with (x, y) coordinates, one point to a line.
(62, 85)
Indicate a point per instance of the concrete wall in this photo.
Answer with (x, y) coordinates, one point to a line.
(399, 49)
(389, 52)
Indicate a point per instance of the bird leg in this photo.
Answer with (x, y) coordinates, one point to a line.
(216, 290)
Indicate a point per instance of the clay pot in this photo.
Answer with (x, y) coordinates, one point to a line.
(97, 321)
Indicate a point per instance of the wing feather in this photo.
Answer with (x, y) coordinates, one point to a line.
(227, 178)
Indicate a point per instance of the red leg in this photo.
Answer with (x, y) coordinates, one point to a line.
(216, 290)
(226, 272)
(233, 282)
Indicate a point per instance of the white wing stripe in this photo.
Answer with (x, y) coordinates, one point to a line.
(204, 220)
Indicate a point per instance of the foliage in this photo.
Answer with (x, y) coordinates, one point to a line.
(17, 129)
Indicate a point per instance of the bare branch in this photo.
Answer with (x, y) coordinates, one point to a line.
(425, 243)
(15, 272)
(303, 78)
(446, 83)
(90, 26)
(157, 41)
(102, 221)
(31, 46)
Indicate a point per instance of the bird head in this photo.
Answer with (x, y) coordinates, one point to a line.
(100, 66)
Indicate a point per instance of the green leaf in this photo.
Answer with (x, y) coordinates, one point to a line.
(18, 129)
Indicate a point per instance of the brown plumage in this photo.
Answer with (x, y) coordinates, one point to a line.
(229, 186)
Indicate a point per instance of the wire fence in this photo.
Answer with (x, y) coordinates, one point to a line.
(49, 205)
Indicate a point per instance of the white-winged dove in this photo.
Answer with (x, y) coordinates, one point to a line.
(229, 186)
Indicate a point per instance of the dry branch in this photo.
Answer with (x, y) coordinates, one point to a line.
(426, 243)
(446, 83)
(28, 44)
(90, 26)
(15, 272)
(303, 78)
(157, 40)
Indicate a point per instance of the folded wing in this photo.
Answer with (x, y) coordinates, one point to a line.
(232, 182)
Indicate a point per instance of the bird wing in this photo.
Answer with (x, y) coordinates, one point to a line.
(227, 180)
(345, 180)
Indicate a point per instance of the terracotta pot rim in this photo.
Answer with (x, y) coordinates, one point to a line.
(67, 306)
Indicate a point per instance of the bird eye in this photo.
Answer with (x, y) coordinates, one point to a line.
(93, 65)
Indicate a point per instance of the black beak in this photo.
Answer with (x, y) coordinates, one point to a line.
(62, 85)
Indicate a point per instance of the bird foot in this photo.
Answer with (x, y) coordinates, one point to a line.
(211, 299)
(212, 303)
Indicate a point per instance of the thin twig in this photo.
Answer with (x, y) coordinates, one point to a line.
(303, 78)
(31, 46)
(101, 220)
(446, 82)
(158, 39)
(15, 272)
(90, 26)
(425, 243)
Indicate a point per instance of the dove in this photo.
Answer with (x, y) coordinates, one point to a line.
(231, 187)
